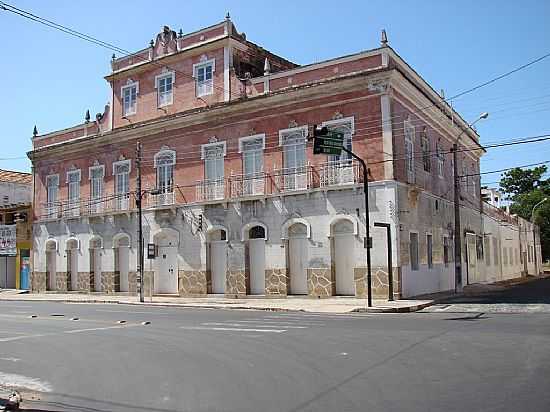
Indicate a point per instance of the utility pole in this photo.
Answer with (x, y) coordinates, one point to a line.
(139, 197)
(368, 242)
(457, 237)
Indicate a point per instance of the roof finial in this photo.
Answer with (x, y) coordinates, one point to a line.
(227, 16)
(113, 57)
(384, 39)
(151, 43)
(267, 67)
(87, 116)
(442, 94)
(180, 33)
(35, 131)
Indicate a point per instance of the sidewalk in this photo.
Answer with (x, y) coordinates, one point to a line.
(293, 303)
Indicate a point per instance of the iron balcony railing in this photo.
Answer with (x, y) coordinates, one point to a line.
(248, 185)
(210, 190)
(293, 178)
(339, 173)
(164, 198)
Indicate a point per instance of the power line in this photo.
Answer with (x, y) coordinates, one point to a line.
(508, 168)
(23, 13)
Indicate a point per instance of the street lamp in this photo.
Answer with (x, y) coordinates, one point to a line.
(534, 233)
(457, 237)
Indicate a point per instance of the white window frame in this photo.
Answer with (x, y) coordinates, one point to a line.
(70, 198)
(163, 76)
(440, 161)
(245, 139)
(122, 162)
(426, 155)
(409, 134)
(56, 186)
(196, 68)
(169, 187)
(203, 157)
(347, 126)
(129, 85)
(91, 169)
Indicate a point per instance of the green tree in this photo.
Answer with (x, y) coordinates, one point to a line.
(526, 188)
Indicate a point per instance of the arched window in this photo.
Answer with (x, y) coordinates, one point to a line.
(164, 163)
(257, 232)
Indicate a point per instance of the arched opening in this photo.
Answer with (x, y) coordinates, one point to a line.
(72, 264)
(122, 262)
(297, 249)
(343, 256)
(51, 264)
(217, 259)
(166, 263)
(95, 264)
(256, 259)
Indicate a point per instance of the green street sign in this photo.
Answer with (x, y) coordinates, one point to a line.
(330, 143)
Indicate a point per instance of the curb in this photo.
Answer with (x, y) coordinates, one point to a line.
(403, 309)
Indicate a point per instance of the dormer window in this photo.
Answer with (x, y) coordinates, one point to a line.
(203, 74)
(165, 85)
(129, 98)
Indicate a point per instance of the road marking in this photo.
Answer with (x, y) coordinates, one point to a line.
(243, 324)
(279, 322)
(232, 329)
(38, 335)
(130, 312)
(10, 359)
(95, 329)
(11, 380)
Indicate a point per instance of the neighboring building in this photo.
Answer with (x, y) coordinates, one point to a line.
(15, 209)
(236, 202)
(491, 196)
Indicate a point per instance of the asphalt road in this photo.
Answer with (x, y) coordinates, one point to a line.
(229, 360)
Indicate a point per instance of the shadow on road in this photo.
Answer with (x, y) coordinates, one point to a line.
(534, 292)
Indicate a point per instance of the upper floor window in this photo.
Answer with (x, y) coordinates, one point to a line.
(440, 159)
(164, 163)
(426, 158)
(165, 85)
(203, 74)
(121, 172)
(409, 150)
(129, 98)
(252, 149)
(97, 173)
(213, 155)
(52, 188)
(73, 182)
(345, 126)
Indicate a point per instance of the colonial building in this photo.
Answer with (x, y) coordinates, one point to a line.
(15, 210)
(236, 203)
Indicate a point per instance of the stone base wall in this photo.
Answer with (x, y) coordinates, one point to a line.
(61, 281)
(235, 283)
(379, 282)
(192, 283)
(132, 282)
(83, 283)
(38, 282)
(320, 283)
(148, 283)
(107, 282)
(276, 282)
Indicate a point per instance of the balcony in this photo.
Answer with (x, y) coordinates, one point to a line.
(293, 179)
(326, 176)
(71, 208)
(207, 190)
(161, 199)
(339, 173)
(248, 185)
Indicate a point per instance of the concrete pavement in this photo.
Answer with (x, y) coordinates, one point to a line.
(292, 303)
(190, 359)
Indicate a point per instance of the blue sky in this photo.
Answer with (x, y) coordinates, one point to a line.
(49, 78)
